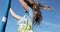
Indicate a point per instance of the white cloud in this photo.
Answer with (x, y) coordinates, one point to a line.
(51, 24)
(49, 27)
(58, 17)
(45, 31)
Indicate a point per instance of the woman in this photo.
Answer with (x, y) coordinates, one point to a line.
(32, 17)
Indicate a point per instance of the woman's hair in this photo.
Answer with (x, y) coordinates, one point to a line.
(36, 7)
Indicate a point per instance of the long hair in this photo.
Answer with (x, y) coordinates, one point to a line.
(36, 7)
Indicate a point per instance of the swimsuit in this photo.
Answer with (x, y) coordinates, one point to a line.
(25, 24)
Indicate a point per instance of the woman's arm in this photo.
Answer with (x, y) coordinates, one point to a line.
(26, 7)
(14, 15)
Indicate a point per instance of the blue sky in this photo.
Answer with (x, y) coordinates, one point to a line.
(50, 22)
